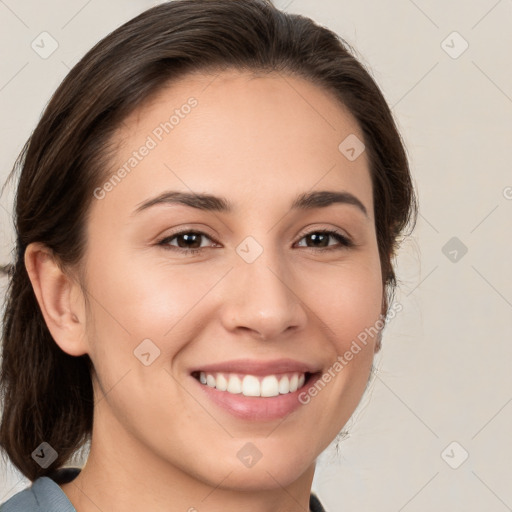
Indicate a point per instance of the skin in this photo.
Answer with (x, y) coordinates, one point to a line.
(158, 442)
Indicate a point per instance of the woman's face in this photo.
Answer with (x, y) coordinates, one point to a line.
(258, 290)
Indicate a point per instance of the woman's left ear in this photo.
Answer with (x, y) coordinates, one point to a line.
(60, 299)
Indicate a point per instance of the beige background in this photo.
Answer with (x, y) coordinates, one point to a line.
(444, 372)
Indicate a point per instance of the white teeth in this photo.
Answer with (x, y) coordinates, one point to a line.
(284, 385)
(234, 385)
(250, 385)
(294, 383)
(222, 383)
(269, 386)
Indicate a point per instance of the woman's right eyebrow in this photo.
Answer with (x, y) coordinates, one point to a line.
(209, 202)
(206, 202)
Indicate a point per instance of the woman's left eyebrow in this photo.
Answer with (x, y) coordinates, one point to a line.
(208, 202)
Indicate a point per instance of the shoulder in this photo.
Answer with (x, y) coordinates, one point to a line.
(44, 495)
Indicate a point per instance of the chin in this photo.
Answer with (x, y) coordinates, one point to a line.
(266, 470)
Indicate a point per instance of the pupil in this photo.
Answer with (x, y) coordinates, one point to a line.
(315, 236)
(188, 237)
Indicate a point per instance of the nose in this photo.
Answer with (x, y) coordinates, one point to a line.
(260, 298)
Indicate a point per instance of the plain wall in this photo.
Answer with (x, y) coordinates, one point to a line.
(444, 371)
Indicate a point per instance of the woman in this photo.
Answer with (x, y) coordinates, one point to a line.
(206, 218)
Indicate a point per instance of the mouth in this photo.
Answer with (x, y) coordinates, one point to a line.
(265, 386)
(256, 390)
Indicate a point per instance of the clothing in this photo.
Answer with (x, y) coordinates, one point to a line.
(45, 495)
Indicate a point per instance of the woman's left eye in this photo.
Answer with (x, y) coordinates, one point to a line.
(323, 235)
(190, 241)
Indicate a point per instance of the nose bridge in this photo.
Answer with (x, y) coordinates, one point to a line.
(260, 295)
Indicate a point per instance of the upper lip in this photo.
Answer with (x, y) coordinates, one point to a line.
(254, 367)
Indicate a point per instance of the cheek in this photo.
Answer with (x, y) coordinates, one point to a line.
(348, 300)
(135, 302)
(347, 304)
(351, 310)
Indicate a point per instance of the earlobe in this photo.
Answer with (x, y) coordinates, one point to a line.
(58, 297)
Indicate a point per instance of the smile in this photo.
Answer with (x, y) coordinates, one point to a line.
(251, 385)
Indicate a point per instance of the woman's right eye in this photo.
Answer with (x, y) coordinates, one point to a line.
(187, 241)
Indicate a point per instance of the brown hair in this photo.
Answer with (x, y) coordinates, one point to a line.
(47, 394)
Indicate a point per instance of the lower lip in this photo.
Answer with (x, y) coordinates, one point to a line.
(257, 408)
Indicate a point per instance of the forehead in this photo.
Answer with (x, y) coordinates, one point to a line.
(236, 133)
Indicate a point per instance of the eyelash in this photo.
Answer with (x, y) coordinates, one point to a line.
(342, 239)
